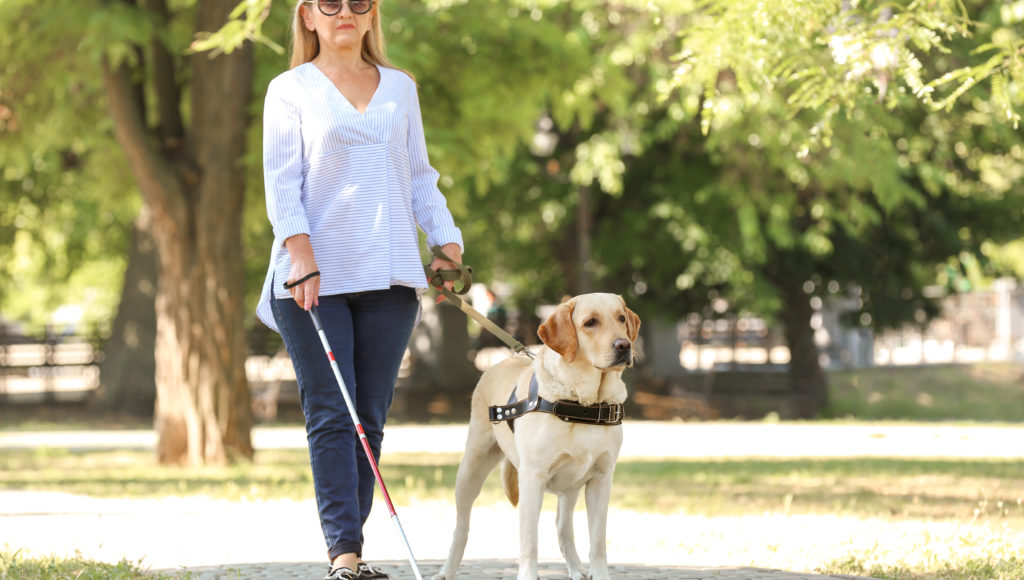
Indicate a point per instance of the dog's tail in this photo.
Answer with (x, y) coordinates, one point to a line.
(510, 481)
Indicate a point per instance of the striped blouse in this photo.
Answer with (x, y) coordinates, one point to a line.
(358, 184)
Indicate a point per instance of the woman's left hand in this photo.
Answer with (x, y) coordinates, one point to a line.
(454, 252)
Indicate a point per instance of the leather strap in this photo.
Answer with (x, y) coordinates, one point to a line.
(290, 285)
(599, 414)
(569, 411)
(464, 274)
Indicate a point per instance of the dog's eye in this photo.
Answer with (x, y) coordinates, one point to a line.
(622, 318)
(590, 322)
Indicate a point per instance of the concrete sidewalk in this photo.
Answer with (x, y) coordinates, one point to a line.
(281, 539)
(504, 569)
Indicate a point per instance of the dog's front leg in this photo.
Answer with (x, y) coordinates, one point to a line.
(481, 455)
(566, 536)
(531, 498)
(598, 494)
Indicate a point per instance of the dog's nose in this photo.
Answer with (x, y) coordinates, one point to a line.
(621, 345)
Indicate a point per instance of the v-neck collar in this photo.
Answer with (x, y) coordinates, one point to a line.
(327, 79)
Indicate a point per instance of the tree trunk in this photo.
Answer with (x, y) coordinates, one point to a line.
(441, 348)
(573, 248)
(193, 182)
(584, 237)
(442, 377)
(806, 377)
(128, 370)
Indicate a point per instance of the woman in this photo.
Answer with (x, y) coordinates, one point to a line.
(347, 183)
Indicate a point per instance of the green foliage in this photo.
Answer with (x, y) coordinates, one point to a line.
(66, 201)
(870, 145)
(486, 69)
(1000, 60)
(245, 25)
(825, 57)
(813, 136)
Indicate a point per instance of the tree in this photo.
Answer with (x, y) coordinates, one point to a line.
(186, 164)
(181, 121)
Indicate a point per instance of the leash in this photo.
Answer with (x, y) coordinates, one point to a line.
(462, 275)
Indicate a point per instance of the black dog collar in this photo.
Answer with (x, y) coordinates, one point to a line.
(569, 411)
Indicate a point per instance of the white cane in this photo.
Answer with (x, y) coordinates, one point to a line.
(362, 437)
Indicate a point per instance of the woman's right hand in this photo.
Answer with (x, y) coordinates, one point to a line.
(300, 250)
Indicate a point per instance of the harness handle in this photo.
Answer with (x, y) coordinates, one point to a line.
(461, 274)
(464, 274)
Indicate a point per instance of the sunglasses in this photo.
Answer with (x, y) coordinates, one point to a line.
(330, 8)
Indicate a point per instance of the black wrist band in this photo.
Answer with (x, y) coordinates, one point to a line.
(290, 285)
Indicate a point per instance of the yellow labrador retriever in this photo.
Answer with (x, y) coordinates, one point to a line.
(576, 379)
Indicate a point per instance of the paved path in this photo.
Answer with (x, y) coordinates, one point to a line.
(281, 539)
(505, 569)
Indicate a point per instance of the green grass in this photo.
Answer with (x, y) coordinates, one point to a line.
(18, 566)
(967, 569)
(136, 474)
(980, 392)
(862, 487)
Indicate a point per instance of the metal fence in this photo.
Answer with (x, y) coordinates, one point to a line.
(979, 326)
(49, 367)
(973, 327)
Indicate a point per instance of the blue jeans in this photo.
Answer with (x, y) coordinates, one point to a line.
(368, 333)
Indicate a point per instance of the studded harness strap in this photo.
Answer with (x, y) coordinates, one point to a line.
(569, 411)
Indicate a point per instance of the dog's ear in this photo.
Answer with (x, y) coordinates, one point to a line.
(632, 322)
(558, 332)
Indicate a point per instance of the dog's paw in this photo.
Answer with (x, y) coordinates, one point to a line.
(444, 577)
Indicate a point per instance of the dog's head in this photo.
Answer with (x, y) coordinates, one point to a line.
(597, 327)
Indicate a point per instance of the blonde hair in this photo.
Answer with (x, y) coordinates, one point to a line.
(306, 44)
